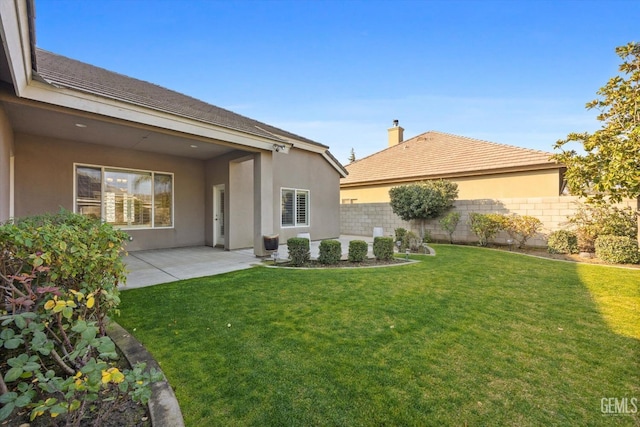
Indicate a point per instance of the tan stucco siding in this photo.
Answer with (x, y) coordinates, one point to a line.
(241, 204)
(44, 175)
(6, 151)
(308, 171)
(542, 183)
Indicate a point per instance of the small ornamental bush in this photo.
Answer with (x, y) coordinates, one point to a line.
(485, 226)
(521, 227)
(383, 248)
(399, 233)
(410, 241)
(562, 242)
(330, 252)
(298, 250)
(593, 220)
(59, 276)
(449, 223)
(617, 249)
(358, 250)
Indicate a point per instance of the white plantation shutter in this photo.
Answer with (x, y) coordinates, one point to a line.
(294, 207)
(302, 207)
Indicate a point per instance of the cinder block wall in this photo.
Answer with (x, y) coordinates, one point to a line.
(360, 219)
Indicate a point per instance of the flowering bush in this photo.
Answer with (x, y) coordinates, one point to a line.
(59, 276)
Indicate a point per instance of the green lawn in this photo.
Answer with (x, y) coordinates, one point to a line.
(470, 337)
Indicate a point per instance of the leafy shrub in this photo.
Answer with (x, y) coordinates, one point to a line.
(410, 241)
(298, 250)
(485, 226)
(383, 248)
(521, 227)
(399, 233)
(423, 201)
(449, 223)
(358, 250)
(617, 249)
(330, 252)
(59, 275)
(562, 242)
(593, 220)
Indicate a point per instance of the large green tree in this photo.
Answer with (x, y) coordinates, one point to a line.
(423, 201)
(609, 169)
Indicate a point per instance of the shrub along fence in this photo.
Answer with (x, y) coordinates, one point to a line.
(360, 218)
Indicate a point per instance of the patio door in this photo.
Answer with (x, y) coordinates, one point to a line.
(218, 215)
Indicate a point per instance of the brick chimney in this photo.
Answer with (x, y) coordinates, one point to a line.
(395, 134)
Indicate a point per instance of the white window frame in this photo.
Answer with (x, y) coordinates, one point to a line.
(296, 224)
(102, 193)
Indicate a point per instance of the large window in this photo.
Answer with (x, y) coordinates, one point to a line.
(294, 207)
(125, 198)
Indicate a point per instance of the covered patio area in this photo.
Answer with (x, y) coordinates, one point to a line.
(152, 267)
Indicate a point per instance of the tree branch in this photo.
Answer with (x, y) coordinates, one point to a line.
(61, 363)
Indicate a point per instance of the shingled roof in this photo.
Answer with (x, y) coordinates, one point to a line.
(434, 155)
(64, 72)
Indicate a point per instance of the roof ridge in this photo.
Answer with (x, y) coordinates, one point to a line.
(439, 153)
(492, 142)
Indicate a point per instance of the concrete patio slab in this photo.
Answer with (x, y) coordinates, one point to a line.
(152, 267)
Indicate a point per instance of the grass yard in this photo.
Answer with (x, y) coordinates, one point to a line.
(470, 337)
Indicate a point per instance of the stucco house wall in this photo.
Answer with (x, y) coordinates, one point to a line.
(540, 183)
(240, 204)
(235, 172)
(44, 174)
(306, 171)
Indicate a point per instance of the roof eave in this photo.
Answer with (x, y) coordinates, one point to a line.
(16, 25)
(77, 100)
(463, 174)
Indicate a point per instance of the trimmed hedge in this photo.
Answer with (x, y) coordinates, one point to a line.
(358, 250)
(617, 249)
(330, 252)
(298, 250)
(562, 242)
(383, 248)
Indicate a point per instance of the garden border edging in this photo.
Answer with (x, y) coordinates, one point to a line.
(163, 405)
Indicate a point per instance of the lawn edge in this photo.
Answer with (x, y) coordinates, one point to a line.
(163, 404)
(625, 267)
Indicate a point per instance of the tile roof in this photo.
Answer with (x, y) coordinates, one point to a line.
(441, 155)
(64, 72)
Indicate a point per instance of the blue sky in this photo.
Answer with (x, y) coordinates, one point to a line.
(339, 72)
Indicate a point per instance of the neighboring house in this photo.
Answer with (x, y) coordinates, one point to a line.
(167, 168)
(482, 170)
(491, 177)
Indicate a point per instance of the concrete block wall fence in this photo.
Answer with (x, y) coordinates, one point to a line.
(360, 219)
